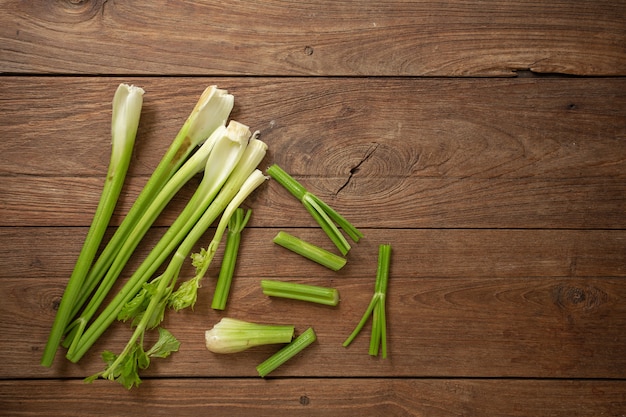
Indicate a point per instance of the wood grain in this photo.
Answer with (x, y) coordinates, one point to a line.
(349, 37)
(484, 140)
(525, 153)
(337, 397)
(468, 303)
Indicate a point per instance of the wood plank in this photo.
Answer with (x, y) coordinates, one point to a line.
(314, 397)
(423, 128)
(34, 253)
(315, 38)
(524, 153)
(598, 203)
(468, 303)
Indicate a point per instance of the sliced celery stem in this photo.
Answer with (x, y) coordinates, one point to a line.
(376, 307)
(176, 233)
(287, 352)
(233, 239)
(302, 292)
(287, 181)
(324, 215)
(310, 251)
(210, 112)
(127, 105)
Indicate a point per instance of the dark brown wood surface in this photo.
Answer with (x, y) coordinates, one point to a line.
(486, 141)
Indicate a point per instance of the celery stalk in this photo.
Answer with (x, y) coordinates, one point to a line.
(232, 336)
(127, 104)
(326, 217)
(231, 249)
(302, 292)
(310, 251)
(376, 307)
(287, 352)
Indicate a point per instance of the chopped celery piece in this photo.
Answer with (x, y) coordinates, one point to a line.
(127, 104)
(310, 251)
(287, 352)
(302, 292)
(376, 307)
(236, 225)
(325, 216)
(231, 335)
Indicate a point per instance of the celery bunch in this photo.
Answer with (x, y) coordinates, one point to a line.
(228, 156)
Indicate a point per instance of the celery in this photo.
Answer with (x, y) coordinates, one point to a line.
(194, 165)
(156, 298)
(210, 112)
(302, 292)
(233, 238)
(310, 251)
(231, 335)
(325, 216)
(203, 198)
(287, 352)
(127, 104)
(376, 307)
(186, 295)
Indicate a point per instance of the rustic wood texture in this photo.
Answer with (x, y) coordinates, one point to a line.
(503, 196)
(349, 37)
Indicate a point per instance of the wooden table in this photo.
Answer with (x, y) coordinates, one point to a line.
(485, 141)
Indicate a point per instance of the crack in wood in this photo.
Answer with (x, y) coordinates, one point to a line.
(357, 167)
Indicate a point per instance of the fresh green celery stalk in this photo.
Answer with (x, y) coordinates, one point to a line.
(376, 307)
(181, 229)
(164, 285)
(326, 217)
(210, 112)
(310, 251)
(302, 292)
(127, 104)
(231, 249)
(287, 352)
(204, 196)
(232, 336)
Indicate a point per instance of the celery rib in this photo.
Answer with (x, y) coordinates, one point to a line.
(302, 292)
(287, 352)
(310, 251)
(231, 249)
(127, 104)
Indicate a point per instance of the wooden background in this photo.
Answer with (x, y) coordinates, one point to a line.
(485, 140)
